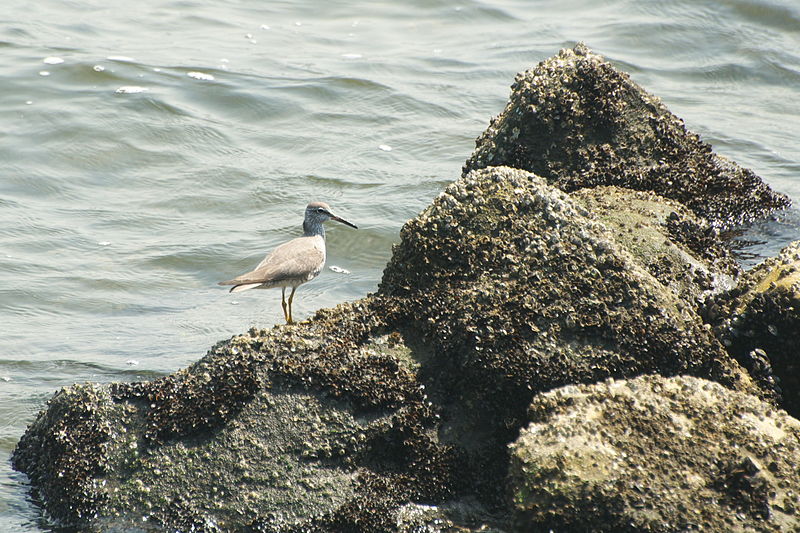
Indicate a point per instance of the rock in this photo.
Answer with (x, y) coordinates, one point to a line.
(299, 428)
(683, 252)
(759, 321)
(465, 516)
(512, 278)
(516, 288)
(579, 122)
(503, 288)
(655, 454)
(65, 451)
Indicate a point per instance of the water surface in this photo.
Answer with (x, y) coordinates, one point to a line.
(151, 149)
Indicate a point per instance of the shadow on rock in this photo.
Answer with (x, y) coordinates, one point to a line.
(759, 321)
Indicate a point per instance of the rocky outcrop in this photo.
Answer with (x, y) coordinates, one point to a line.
(503, 288)
(317, 426)
(394, 413)
(517, 288)
(655, 454)
(759, 322)
(579, 122)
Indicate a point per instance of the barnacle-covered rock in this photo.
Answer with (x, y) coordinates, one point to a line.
(655, 454)
(66, 450)
(467, 516)
(518, 288)
(579, 122)
(503, 288)
(759, 322)
(321, 426)
(683, 252)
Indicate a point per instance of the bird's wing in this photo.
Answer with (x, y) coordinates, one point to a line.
(300, 258)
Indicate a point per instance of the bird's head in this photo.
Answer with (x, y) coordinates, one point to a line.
(319, 212)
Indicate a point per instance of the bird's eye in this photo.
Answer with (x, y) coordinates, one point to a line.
(320, 210)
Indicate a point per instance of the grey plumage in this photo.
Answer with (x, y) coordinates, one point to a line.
(293, 263)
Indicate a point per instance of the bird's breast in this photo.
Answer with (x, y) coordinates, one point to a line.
(319, 244)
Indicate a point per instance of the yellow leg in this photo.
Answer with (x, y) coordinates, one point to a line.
(290, 321)
(283, 304)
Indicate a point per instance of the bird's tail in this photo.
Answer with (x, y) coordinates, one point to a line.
(246, 286)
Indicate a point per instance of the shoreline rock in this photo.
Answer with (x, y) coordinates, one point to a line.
(579, 122)
(759, 322)
(655, 454)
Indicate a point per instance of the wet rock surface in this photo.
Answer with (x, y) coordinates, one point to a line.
(759, 322)
(655, 454)
(394, 413)
(578, 122)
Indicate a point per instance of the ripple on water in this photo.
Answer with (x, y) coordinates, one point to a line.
(120, 212)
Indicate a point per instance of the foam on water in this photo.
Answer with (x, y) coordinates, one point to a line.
(131, 89)
(200, 76)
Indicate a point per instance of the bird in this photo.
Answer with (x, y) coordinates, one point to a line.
(294, 262)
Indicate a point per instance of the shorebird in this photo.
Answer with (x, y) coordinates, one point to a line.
(292, 263)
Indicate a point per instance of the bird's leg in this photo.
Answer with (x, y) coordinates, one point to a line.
(283, 304)
(290, 304)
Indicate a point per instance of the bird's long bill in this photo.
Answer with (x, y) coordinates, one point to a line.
(343, 221)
